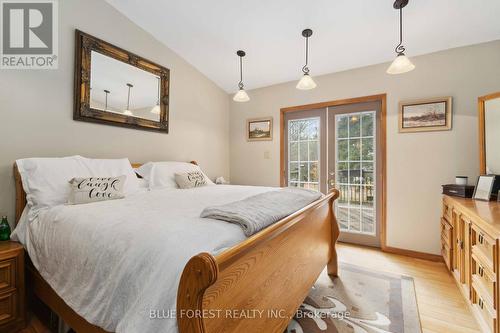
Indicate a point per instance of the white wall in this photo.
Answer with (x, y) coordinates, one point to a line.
(417, 163)
(36, 107)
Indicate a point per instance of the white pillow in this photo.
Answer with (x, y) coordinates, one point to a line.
(162, 174)
(45, 180)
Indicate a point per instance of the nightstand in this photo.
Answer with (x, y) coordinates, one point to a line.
(12, 292)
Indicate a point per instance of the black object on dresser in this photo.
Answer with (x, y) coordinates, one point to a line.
(463, 191)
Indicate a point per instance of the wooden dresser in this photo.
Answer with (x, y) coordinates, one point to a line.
(470, 238)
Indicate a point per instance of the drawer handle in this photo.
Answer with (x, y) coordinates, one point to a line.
(480, 303)
(481, 271)
(481, 239)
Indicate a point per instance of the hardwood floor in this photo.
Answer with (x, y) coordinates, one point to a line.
(35, 326)
(441, 306)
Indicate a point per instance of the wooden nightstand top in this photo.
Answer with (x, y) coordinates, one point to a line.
(10, 246)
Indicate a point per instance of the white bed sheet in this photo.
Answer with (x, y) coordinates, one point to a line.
(115, 261)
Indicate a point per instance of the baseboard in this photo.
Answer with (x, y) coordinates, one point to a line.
(414, 254)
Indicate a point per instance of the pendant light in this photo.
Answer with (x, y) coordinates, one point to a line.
(127, 111)
(106, 102)
(401, 64)
(241, 95)
(157, 109)
(306, 82)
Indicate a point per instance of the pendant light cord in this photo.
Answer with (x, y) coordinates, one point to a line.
(128, 97)
(400, 49)
(305, 69)
(106, 103)
(240, 84)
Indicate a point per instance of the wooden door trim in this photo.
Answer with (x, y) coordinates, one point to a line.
(383, 151)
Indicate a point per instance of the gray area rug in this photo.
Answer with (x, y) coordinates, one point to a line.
(359, 301)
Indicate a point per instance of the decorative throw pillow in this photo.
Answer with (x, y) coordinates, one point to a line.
(86, 190)
(190, 179)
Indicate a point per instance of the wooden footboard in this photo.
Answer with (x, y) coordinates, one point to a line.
(258, 285)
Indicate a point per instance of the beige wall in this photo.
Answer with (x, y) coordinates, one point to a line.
(417, 163)
(36, 107)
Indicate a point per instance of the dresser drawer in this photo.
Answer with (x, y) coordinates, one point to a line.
(483, 308)
(484, 279)
(446, 252)
(447, 210)
(446, 232)
(7, 275)
(8, 307)
(483, 246)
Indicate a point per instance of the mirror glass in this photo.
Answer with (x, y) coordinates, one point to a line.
(492, 135)
(118, 87)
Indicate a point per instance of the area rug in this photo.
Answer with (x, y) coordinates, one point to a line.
(359, 301)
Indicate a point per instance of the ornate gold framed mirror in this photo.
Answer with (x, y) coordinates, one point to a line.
(117, 87)
(489, 133)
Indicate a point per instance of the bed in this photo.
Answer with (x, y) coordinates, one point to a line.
(267, 275)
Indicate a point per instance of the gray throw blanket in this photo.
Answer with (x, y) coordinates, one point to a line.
(259, 211)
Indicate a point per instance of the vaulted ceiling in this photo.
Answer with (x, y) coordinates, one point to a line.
(347, 34)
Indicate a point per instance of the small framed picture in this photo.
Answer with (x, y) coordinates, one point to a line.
(432, 114)
(483, 187)
(260, 129)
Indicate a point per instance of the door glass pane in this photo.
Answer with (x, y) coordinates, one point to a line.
(355, 172)
(342, 124)
(367, 173)
(367, 127)
(313, 150)
(294, 151)
(354, 126)
(294, 171)
(303, 152)
(354, 149)
(342, 150)
(367, 149)
(343, 172)
(368, 221)
(313, 172)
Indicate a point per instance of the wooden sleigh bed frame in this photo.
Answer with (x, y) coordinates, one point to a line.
(272, 271)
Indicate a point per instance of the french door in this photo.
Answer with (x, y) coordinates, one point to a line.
(339, 146)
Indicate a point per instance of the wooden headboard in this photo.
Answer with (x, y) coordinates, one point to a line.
(21, 195)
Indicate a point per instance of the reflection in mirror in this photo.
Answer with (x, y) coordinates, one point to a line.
(118, 87)
(492, 135)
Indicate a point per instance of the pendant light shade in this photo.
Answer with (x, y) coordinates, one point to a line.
(401, 64)
(127, 111)
(241, 95)
(157, 109)
(306, 82)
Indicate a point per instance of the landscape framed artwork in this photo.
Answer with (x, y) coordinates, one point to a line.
(260, 129)
(431, 114)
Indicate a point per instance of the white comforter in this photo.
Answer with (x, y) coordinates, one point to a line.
(115, 261)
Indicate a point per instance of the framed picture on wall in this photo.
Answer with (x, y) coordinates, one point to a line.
(260, 129)
(432, 114)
